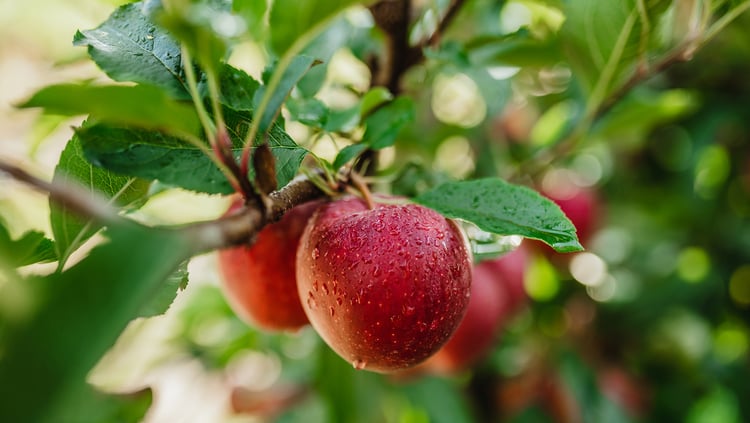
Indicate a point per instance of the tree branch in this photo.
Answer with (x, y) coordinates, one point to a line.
(73, 197)
(238, 228)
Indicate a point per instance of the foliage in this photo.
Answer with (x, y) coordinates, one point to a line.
(493, 101)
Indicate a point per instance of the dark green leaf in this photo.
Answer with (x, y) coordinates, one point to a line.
(292, 20)
(155, 156)
(31, 247)
(292, 74)
(141, 106)
(237, 88)
(78, 315)
(129, 47)
(70, 230)
(385, 123)
(504, 209)
(348, 153)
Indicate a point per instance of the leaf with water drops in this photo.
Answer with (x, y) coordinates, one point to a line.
(502, 208)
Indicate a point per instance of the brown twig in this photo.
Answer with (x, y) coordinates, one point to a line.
(71, 196)
(445, 22)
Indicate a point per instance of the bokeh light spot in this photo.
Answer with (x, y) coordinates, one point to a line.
(739, 286)
(693, 264)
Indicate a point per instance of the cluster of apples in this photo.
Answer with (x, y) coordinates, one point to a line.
(385, 285)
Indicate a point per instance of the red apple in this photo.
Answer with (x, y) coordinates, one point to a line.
(259, 280)
(497, 292)
(384, 287)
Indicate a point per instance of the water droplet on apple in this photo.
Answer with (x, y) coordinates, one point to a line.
(315, 253)
(325, 288)
(331, 311)
(359, 364)
(339, 300)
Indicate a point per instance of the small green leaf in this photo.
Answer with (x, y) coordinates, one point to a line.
(77, 316)
(504, 209)
(518, 49)
(31, 247)
(292, 20)
(142, 106)
(310, 111)
(385, 123)
(129, 47)
(70, 230)
(292, 74)
(348, 153)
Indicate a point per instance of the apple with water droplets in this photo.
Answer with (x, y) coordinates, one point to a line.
(384, 285)
(259, 280)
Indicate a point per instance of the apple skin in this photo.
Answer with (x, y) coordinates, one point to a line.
(384, 287)
(259, 280)
(497, 292)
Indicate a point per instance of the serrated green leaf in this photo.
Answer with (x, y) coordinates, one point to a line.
(31, 247)
(156, 156)
(78, 315)
(504, 209)
(142, 106)
(292, 74)
(164, 297)
(128, 46)
(291, 20)
(69, 230)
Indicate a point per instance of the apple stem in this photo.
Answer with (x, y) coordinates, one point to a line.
(359, 183)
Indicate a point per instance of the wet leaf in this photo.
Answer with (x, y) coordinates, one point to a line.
(504, 209)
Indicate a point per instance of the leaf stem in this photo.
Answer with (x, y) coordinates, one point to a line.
(206, 121)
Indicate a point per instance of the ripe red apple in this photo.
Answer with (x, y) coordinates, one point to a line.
(384, 287)
(259, 280)
(496, 293)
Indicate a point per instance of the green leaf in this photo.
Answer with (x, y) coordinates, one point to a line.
(254, 13)
(70, 230)
(237, 88)
(348, 153)
(504, 209)
(292, 74)
(129, 47)
(141, 106)
(309, 111)
(164, 297)
(518, 49)
(31, 247)
(385, 123)
(292, 21)
(383, 127)
(156, 156)
(78, 315)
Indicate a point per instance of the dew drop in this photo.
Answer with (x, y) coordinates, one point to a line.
(359, 364)
(325, 288)
(409, 310)
(311, 302)
(315, 286)
(339, 300)
(331, 311)
(315, 253)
